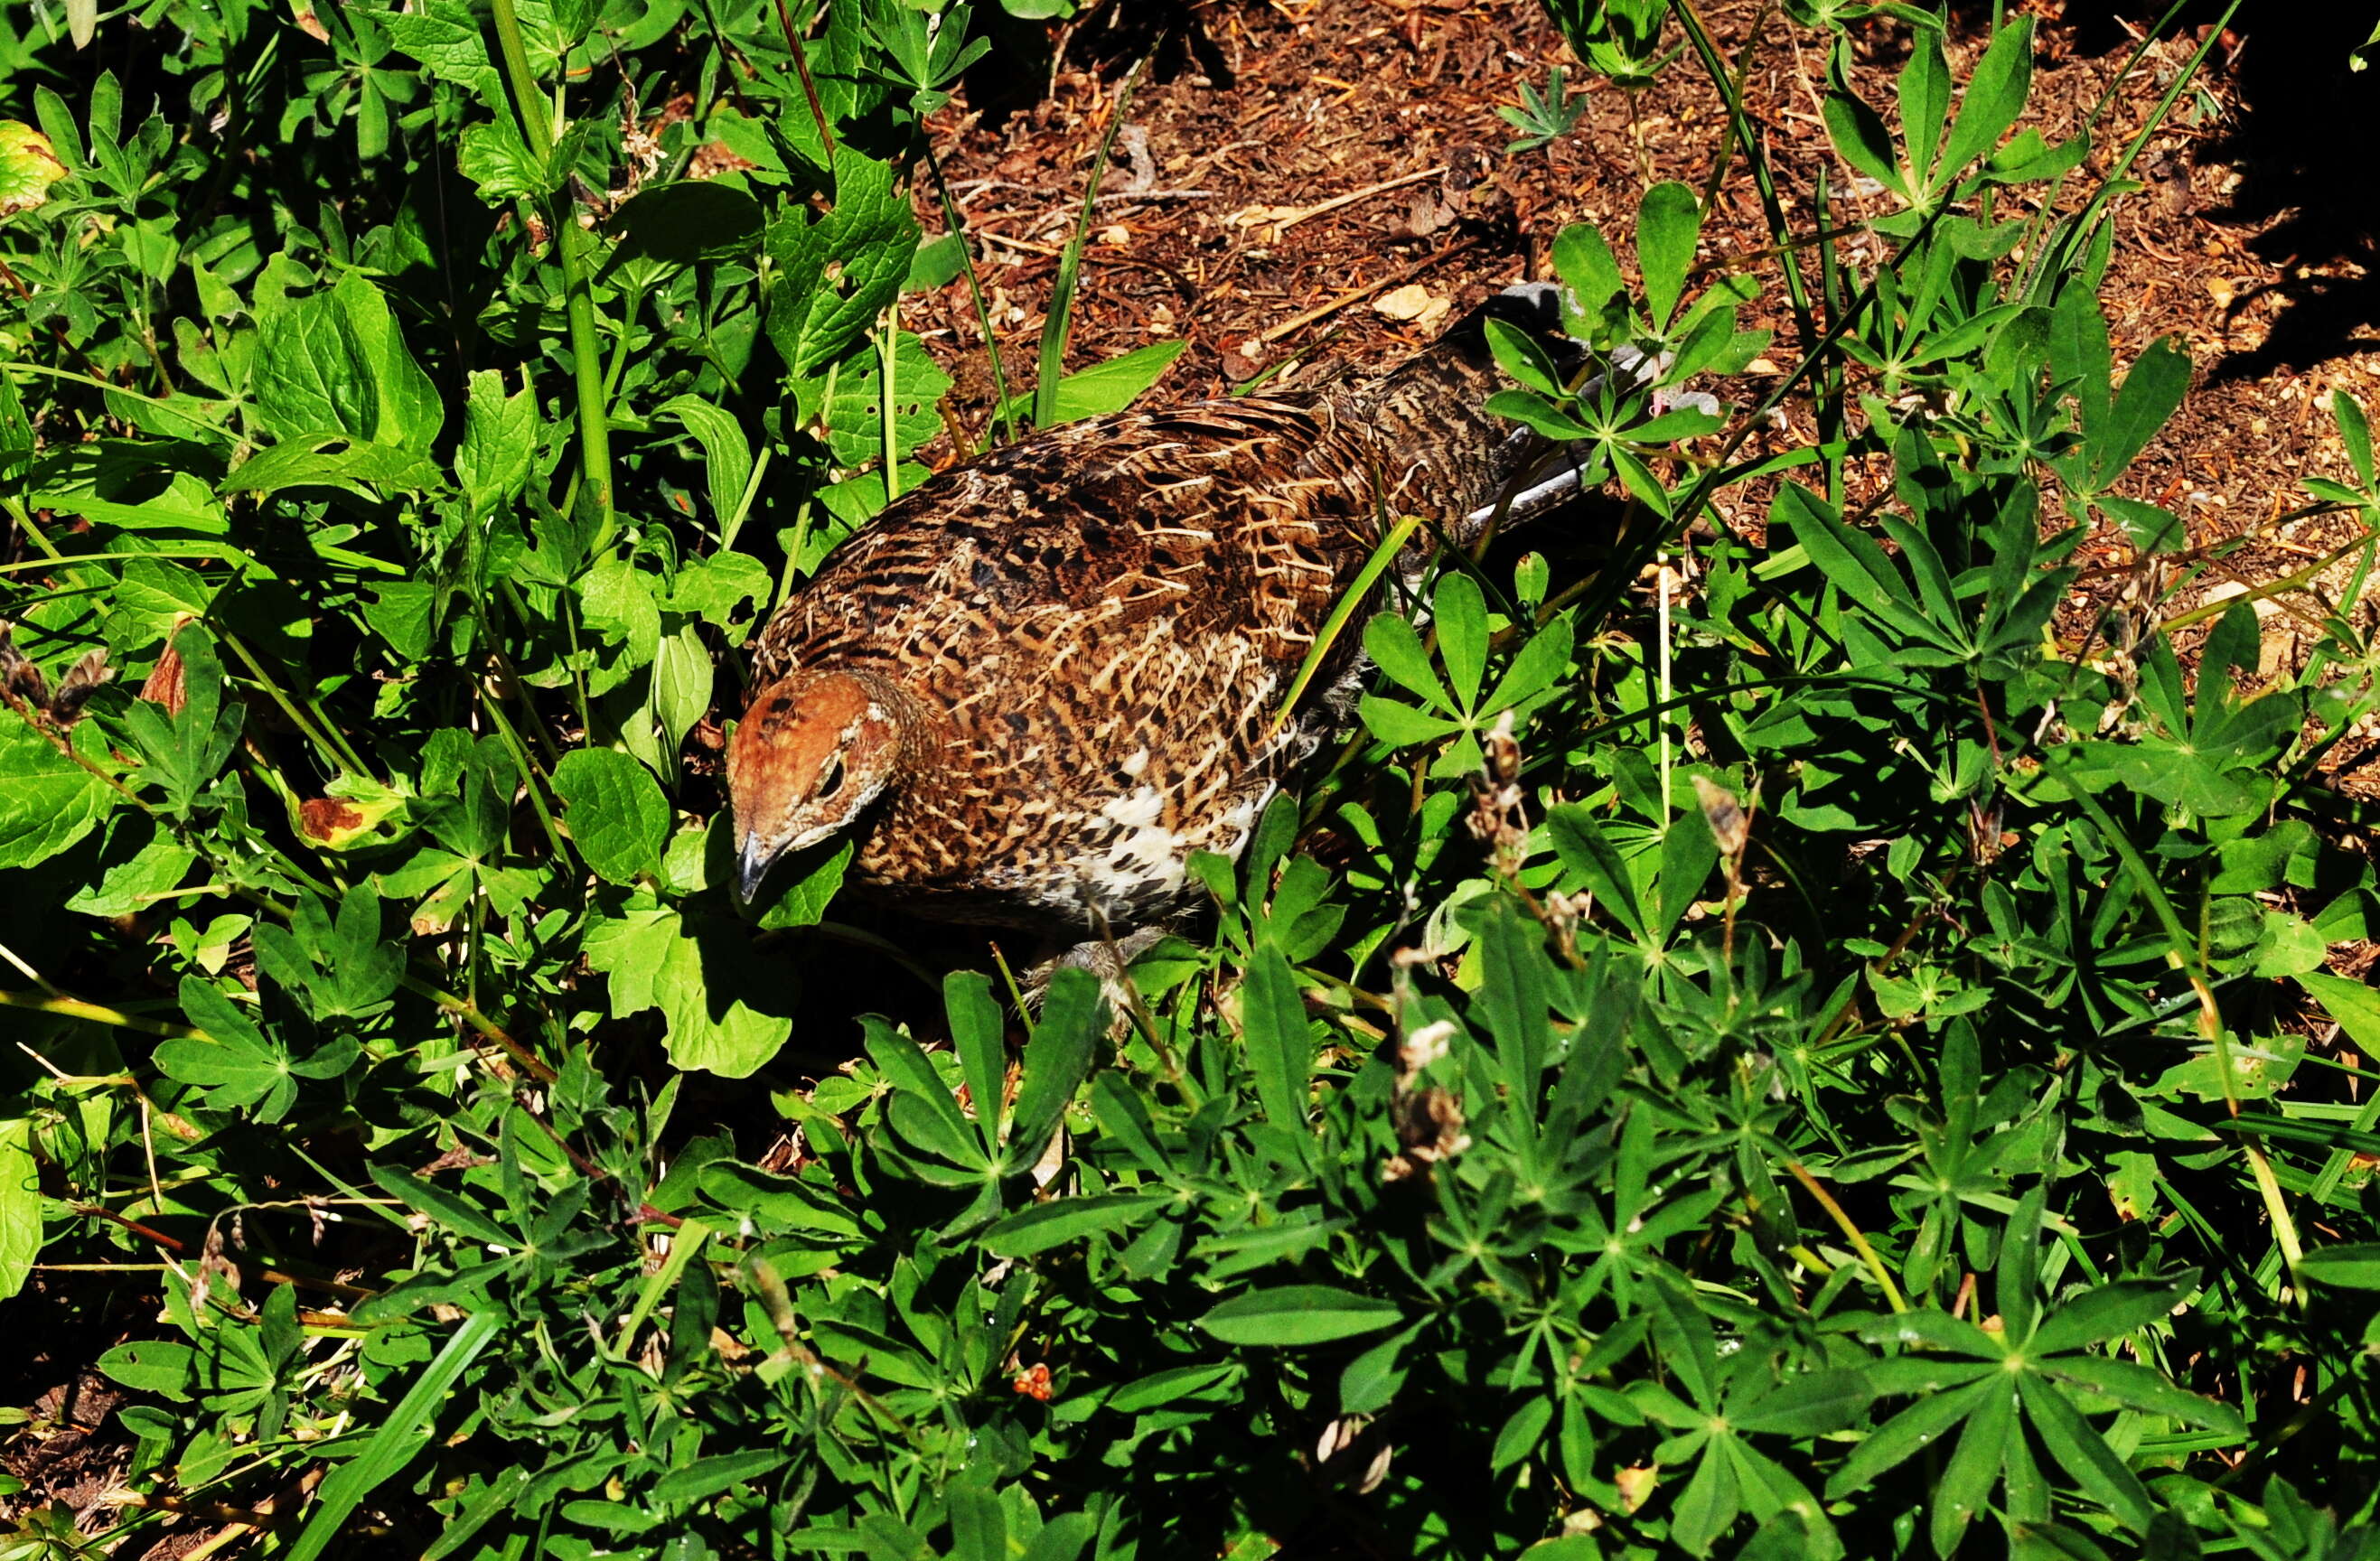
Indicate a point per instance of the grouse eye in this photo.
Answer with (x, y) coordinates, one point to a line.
(831, 777)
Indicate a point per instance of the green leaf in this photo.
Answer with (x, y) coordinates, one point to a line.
(1523, 1430)
(2082, 1452)
(2106, 1310)
(2150, 527)
(47, 800)
(151, 1365)
(1160, 1388)
(492, 156)
(333, 460)
(870, 232)
(1401, 726)
(1590, 276)
(1527, 407)
(689, 221)
(1924, 88)
(1974, 1465)
(1859, 135)
(727, 455)
(1996, 92)
(2353, 1265)
(1396, 651)
(1280, 1053)
(399, 1440)
(1105, 387)
(617, 816)
(1461, 618)
(786, 1203)
(332, 363)
(1298, 1314)
(2151, 393)
(1074, 1013)
(2354, 1005)
(1910, 1433)
(20, 1206)
(236, 1064)
(499, 441)
(2148, 1390)
(1669, 224)
(1811, 1403)
(1055, 1224)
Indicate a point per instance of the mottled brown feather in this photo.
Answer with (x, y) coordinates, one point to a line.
(1086, 635)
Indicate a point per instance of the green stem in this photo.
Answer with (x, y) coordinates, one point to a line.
(75, 1008)
(513, 745)
(570, 242)
(322, 736)
(1003, 411)
(469, 1014)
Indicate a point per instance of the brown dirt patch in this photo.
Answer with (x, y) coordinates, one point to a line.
(1262, 109)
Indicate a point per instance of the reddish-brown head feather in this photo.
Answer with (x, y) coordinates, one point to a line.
(813, 749)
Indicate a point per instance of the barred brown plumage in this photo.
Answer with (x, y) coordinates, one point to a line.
(1040, 680)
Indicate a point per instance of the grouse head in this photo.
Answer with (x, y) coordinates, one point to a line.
(813, 749)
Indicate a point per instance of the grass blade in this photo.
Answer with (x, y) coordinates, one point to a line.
(395, 1443)
(1059, 323)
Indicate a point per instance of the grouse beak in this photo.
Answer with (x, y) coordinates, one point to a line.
(752, 866)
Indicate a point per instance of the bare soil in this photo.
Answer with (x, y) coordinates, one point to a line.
(1378, 118)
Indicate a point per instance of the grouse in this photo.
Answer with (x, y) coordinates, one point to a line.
(1040, 680)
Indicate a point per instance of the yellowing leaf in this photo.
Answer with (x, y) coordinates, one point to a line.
(29, 167)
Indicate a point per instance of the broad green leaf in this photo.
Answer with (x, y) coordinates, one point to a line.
(1160, 1388)
(332, 363)
(689, 221)
(47, 800)
(1107, 386)
(1974, 1465)
(1396, 651)
(2145, 1388)
(2353, 1265)
(975, 1036)
(1590, 276)
(151, 1365)
(617, 816)
(727, 454)
(1073, 1016)
(1669, 224)
(333, 460)
(1298, 1314)
(871, 234)
(1911, 1431)
(2082, 1452)
(1055, 1224)
(499, 441)
(1923, 89)
(1859, 135)
(2151, 393)
(1810, 1404)
(784, 1201)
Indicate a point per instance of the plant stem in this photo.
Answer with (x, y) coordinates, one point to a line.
(469, 1014)
(1004, 413)
(570, 242)
(75, 1008)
